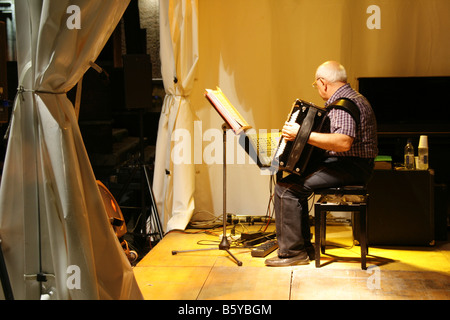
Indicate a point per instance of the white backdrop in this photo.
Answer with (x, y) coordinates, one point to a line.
(174, 183)
(263, 54)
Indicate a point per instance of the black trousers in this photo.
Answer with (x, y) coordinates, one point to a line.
(292, 193)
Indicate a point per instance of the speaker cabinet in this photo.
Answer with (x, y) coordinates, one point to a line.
(137, 70)
(3, 58)
(401, 208)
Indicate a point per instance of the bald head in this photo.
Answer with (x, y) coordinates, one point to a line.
(330, 76)
(332, 71)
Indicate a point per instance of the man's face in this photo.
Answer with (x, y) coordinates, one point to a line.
(321, 85)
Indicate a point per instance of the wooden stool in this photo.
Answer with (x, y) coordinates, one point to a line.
(351, 199)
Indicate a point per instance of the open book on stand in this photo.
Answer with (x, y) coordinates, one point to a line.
(226, 110)
(261, 147)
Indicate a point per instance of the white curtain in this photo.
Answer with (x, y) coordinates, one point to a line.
(174, 181)
(52, 219)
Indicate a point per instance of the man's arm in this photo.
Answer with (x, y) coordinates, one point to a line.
(329, 141)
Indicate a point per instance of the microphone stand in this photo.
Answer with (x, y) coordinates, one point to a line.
(224, 244)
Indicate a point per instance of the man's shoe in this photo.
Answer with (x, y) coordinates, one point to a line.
(299, 259)
(311, 252)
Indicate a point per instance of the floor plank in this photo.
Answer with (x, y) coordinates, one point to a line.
(171, 283)
(247, 283)
(393, 273)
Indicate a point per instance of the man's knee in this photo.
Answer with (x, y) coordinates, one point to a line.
(291, 190)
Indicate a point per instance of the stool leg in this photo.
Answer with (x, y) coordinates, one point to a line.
(367, 223)
(363, 235)
(323, 230)
(317, 235)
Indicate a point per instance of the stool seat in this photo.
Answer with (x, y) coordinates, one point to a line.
(358, 206)
(354, 190)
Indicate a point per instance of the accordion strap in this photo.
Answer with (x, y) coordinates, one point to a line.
(348, 106)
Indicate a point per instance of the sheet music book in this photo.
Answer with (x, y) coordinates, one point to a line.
(226, 110)
(261, 147)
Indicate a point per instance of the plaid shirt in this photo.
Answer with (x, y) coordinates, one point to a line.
(365, 134)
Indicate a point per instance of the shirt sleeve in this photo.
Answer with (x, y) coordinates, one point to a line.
(342, 122)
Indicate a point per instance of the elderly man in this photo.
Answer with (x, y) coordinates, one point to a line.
(351, 147)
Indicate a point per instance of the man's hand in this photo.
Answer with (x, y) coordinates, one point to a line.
(290, 131)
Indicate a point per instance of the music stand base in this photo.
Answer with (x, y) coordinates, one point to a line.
(238, 262)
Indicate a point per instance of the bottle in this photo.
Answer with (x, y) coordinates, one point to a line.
(409, 155)
(423, 153)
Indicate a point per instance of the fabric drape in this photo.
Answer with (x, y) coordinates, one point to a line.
(174, 181)
(52, 219)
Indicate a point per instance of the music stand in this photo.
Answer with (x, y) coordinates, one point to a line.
(224, 244)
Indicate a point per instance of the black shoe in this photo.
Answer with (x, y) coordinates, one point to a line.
(299, 259)
(311, 252)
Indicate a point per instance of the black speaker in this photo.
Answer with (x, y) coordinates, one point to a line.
(137, 69)
(3, 59)
(401, 208)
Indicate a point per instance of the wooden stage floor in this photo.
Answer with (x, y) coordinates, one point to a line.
(393, 272)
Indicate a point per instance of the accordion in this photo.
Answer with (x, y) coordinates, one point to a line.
(293, 156)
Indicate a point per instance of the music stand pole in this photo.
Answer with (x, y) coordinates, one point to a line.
(224, 243)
